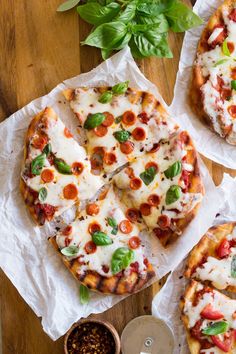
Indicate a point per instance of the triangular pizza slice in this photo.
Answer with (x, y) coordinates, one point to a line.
(56, 171)
(103, 250)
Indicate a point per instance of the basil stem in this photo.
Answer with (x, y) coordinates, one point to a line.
(37, 164)
(62, 166)
(94, 120)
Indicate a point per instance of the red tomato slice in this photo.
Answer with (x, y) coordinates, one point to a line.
(154, 200)
(223, 250)
(39, 142)
(232, 15)
(232, 111)
(94, 227)
(209, 314)
(225, 344)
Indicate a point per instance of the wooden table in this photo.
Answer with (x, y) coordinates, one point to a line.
(39, 49)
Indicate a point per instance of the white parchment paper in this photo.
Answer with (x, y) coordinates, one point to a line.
(208, 143)
(26, 257)
(165, 305)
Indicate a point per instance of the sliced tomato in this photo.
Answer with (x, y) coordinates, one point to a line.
(39, 142)
(233, 73)
(232, 110)
(209, 314)
(230, 47)
(223, 250)
(225, 344)
(94, 227)
(232, 15)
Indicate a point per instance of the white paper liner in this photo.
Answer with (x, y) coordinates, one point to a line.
(208, 143)
(26, 257)
(165, 304)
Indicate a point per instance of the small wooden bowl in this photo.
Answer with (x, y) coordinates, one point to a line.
(106, 324)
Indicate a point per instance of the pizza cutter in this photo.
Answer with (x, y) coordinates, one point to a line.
(147, 335)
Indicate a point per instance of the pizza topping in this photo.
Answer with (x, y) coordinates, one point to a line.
(37, 164)
(132, 214)
(42, 194)
(70, 251)
(67, 133)
(125, 227)
(122, 135)
(77, 168)
(155, 148)
(210, 314)
(94, 227)
(47, 175)
(112, 222)
(143, 117)
(94, 120)
(232, 110)
(100, 131)
(92, 209)
(145, 209)
(106, 97)
(62, 166)
(163, 221)
(225, 344)
(154, 200)
(47, 149)
(67, 230)
(121, 259)
(120, 88)
(225, 48)
(90, 247)
(101, 239)
(233, 84)
(70, 191)
(129, 118)
(224, 249)
(173, 170)
(216, 32)
(232, 15)
(151, 164)
(135, 183)
(148, 175)
(173, 194)
(127, 147)
(134, 242)
(216, 328)
(109, 119)
(233, 267)
(39, 142)
(139, 134)
(109, 158)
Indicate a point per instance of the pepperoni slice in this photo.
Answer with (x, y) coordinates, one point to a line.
(160, 234)
(105, 268)
(70, 191)
(139, 134)
(233, 73)
(47, 175)
(100, 150)
(93, 227)
(127, 147)
(39, 142)
(130, 172)
(129, 118)
(100, 131)
(232, 15)
(225, 94)
(232, 111)
(134, 242)
(67, 230)
(154, 148)
(143, 117)
(77, 168)
(145, 209)
(125, 226)
(67, 133)
(154, 200)
(163, 221)
(184, 137)
(90, 247)
(92, 209)
(151, 164)
(132, 214)
(96, 164)
(135, 183)
(109, 120)
(109, 158)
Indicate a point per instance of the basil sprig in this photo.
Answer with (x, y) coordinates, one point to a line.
(62, 166)
(42, 194)
(70, 251)
(83, 294)
(216, 328)
(173, 170)
(233, 267)
(121, 259)
(37, 164)
(112, 222)
(233, 84)
(94, 120)
(101, 239)
(141, 24)
(122, 135)
(173, 194)
(148, 175)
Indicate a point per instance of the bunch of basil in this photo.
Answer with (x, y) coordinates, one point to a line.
(142, 24)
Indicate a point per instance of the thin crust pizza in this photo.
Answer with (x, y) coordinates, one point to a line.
(56, 171)
(213, 259)
(213, 89)
(209, 320)
(164, 186)
(122, 127)
(103, 250)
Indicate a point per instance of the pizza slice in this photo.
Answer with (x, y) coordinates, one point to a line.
(209, 319)
(56, 172)
(165, 186)
(103, 250)
(213, 259)
(121, 123)
(213, 90)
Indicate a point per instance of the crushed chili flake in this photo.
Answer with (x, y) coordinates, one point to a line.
(91, 338)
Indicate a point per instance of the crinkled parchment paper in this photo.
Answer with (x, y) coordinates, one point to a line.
(208, 143)
(26, 257)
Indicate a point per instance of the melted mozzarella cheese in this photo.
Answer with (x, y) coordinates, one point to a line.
(110, 207)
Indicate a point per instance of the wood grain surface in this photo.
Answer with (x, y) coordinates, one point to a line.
(39, 49)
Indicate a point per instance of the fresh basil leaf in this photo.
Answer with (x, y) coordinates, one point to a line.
(62, 166)
(152, 43)
(101, 239)
(106, 97)
(114, 230)
(97, 14)
(121, 259)
(42, 194)
(233, 84)
(106, 35)
(225, 48)
(150, 7)
(122, 135)
(94, 120)
(120, 88)
(128, 14)
(148, 175)
(173, 170)
(181, 17)
(112, 222)
(219, 62)
(233, 267)
(67, 5)
(173, 194)
(83, 294)
(37, 164)
(134, 49)
(159, 22)
(123, 42)
(216, 328)
(47, 149)
(106, 53)
(70, 251)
